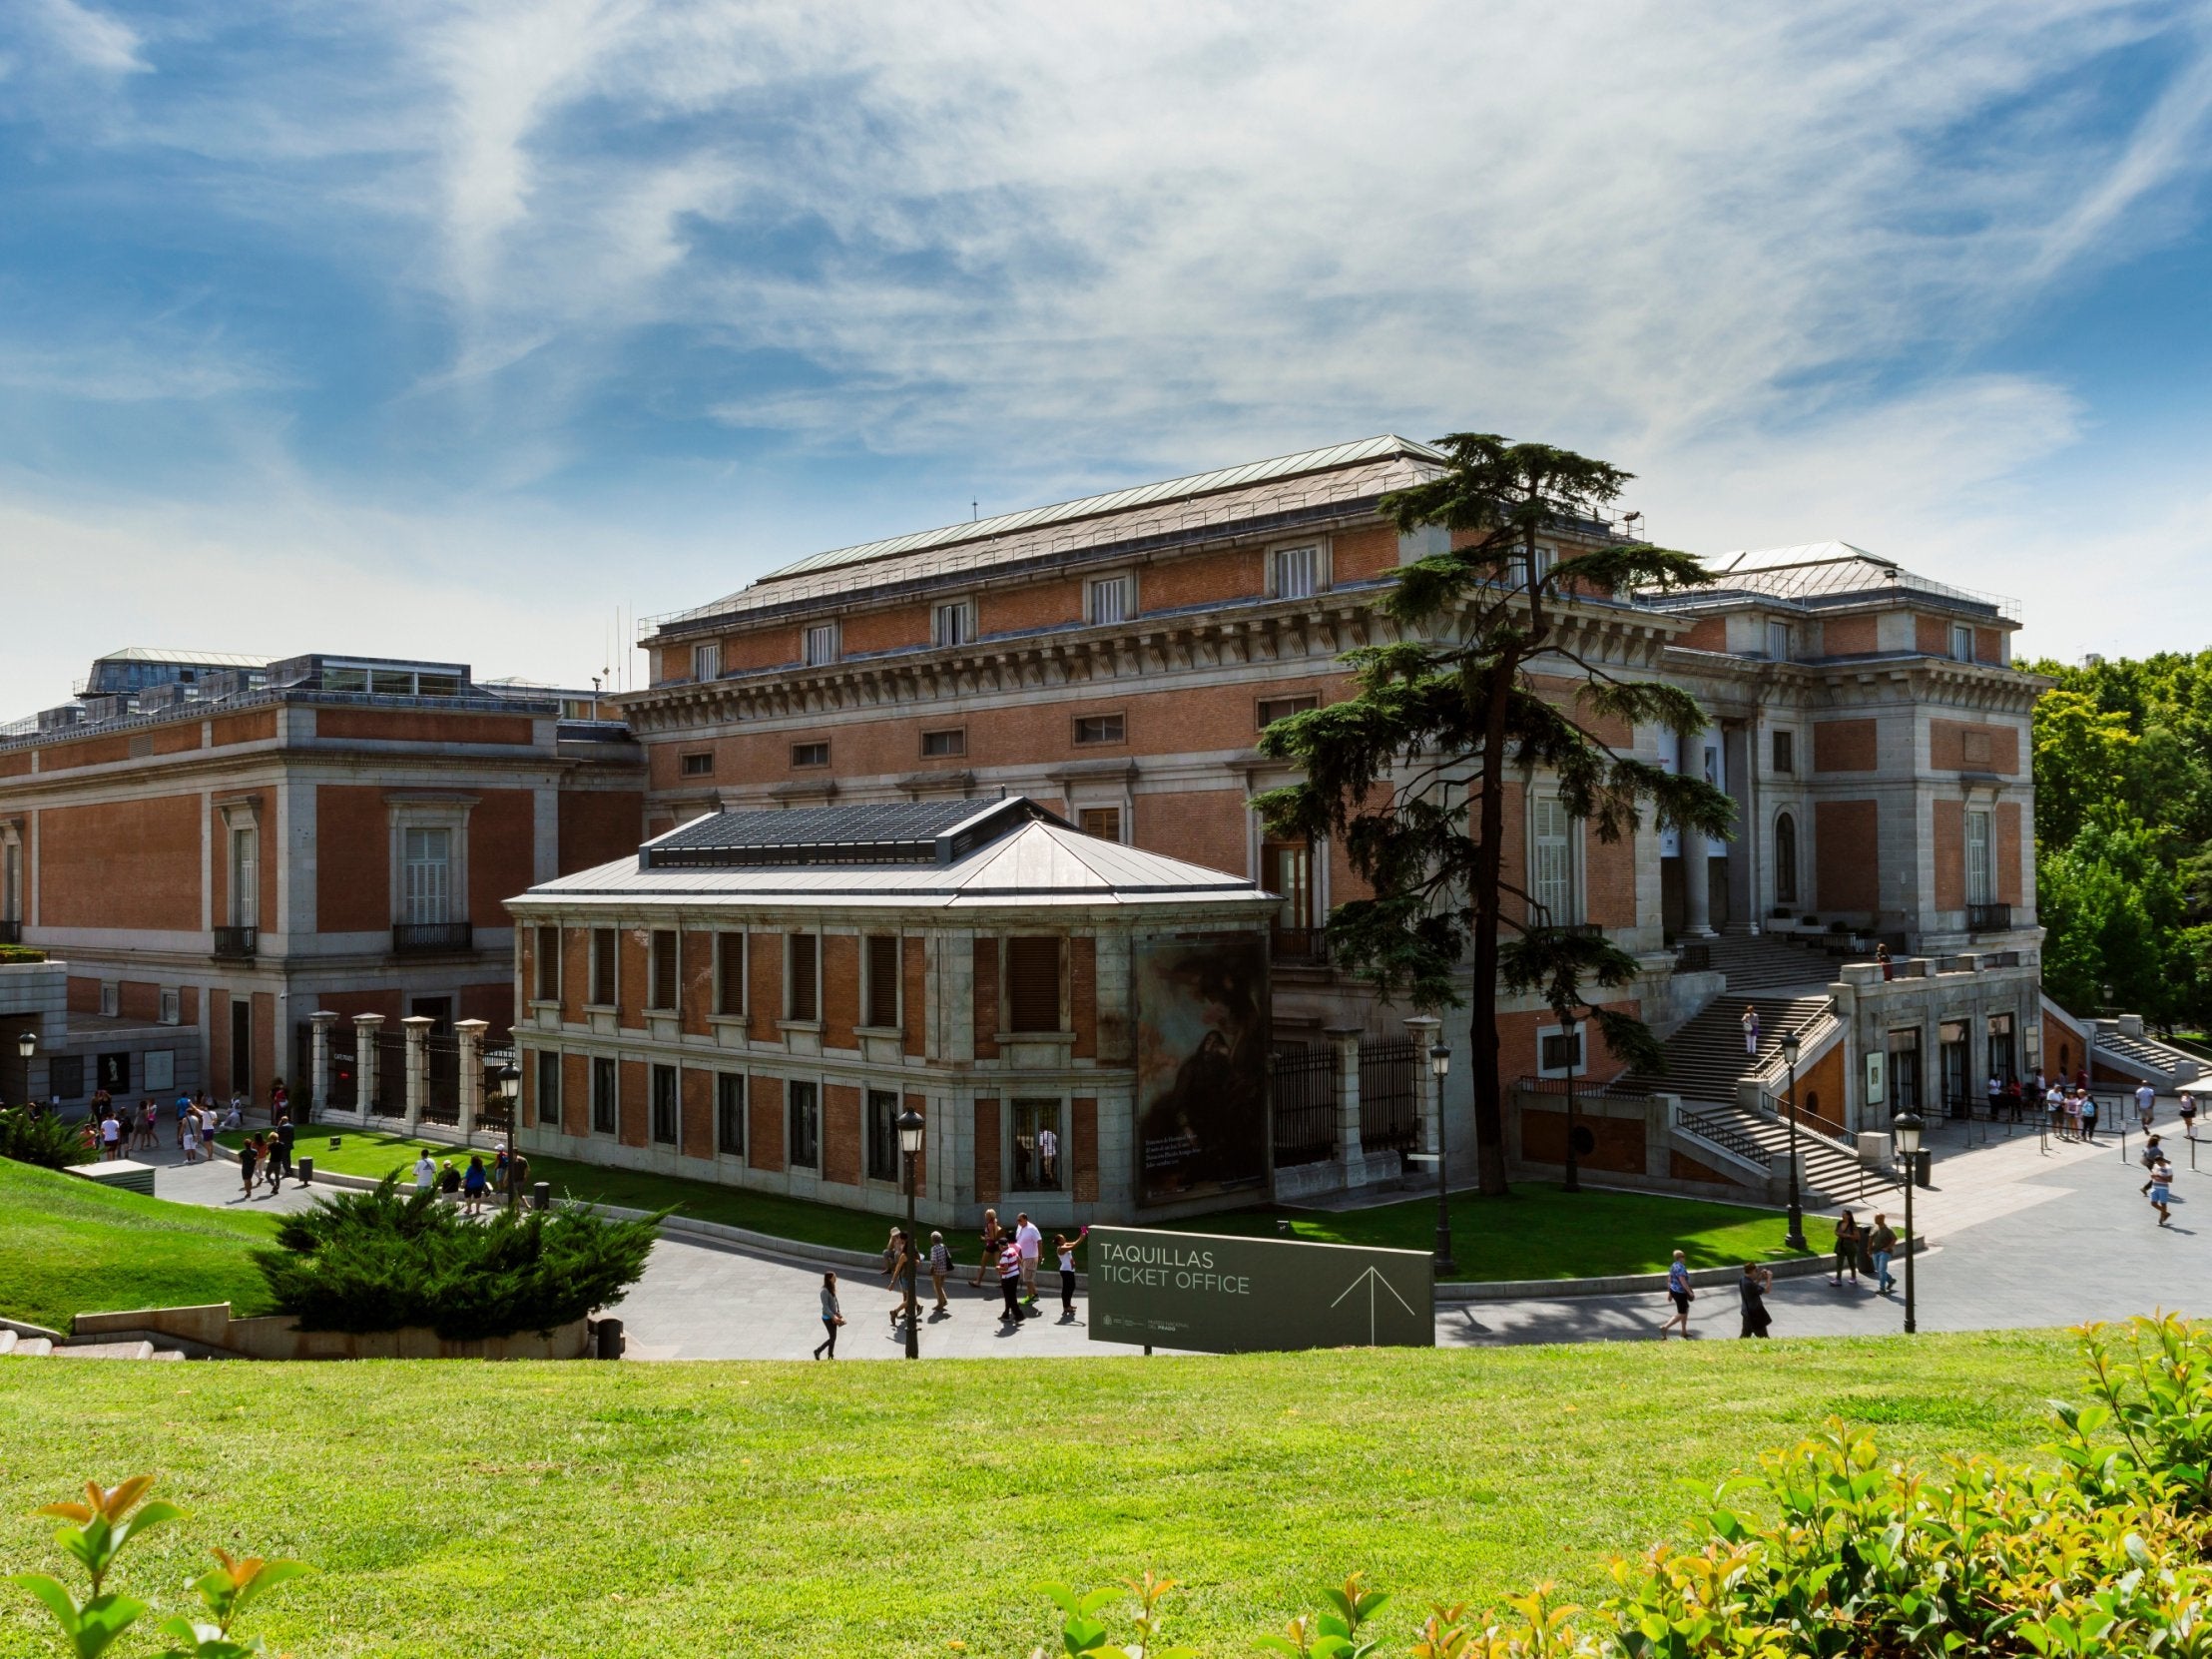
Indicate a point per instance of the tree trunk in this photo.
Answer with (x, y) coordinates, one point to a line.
(1489, 1110)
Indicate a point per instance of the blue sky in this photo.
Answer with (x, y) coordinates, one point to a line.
(461, 330)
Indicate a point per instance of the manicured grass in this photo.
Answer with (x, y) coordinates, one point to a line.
(69, 1247)
(1540, 1232)
(375, 1156)
(797, 1509)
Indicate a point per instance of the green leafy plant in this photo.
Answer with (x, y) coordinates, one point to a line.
(1083, 1636)
(109, 1518)
(379, 1260)
(41, 1138)
(1336, 1634)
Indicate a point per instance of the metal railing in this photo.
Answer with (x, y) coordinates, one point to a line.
(1301, 1094)
(1389, 1115)
(1716, 1129)
(1694, 958)
(1298, 945)
(1988, 918)
(423, 938)
(1957, 964)
(237, 943)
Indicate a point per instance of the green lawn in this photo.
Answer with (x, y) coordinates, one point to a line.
(69, 1247)
(1540, 1232)
(377, 1155)
(798, 1509)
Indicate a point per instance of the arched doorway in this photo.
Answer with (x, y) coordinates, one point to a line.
(1785, 860)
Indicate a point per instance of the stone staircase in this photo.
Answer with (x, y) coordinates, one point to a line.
(2124, 1045)
(1704, 1056)
(1769, 963)
(44, 1348)
(1830, 1171)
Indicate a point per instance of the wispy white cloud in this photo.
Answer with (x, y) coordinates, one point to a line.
(87, 38)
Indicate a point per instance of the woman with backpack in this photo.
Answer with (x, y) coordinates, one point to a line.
(831, 1317)
(474, 1185)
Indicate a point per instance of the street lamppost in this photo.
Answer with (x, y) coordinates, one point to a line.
(26, 1046)
(1573, 1183)
(1795, 1239)
(1907, 1124)
(909, 1147)
(1439, 1067)
(507, 1084)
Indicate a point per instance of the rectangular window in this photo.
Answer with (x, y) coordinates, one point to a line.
(882, 1135)
(810, 753)
(1559, 1053)
(437, 685)
(1777, 641)
(345, 679)
(1034, 983)
(392, 682)
(799, 1000)
(1287, 871)
(805, 1124)
(11, 882)
(603, 1097)
(426, 874)
(245, 877)
(882, 979)
(170, 1007)
(1102, 822)
(1111, 598)
(1091, 729)
(730, 975)
(1785, 752)
(1273, 708)
(821, 644)
(1297, 572)
(1962, 643)
(547, 968)
(1551, 862)
(951, 623)
(111, 999)
(664, 1105)
(729, 1114)
(1516, 567)
(706, 661)
(549, 1088)
(603, 941)
(1037, 1145)
(1980, 863)
(937, 746)
(65, 1076)
(664, 950)
(698, 766)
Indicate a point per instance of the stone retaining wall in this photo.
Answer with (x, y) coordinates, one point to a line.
(278, 1337)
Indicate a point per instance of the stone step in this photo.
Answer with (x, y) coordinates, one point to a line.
(34, 1346)
(8, 1340)
(106, 1350)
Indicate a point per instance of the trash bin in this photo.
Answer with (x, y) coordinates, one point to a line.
(306, 1170)
(609, 1332)
(1922, 1162)
(541, 1195)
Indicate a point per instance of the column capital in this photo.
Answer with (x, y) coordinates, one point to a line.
(471, 1029)
(367, 1022)
(418, 1025)
(325, 1017)
(1424, 1027)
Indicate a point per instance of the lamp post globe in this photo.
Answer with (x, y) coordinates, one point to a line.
(506, 1088)
(1906, 1127)
(1439, 1067)
(909, 1147)
(26, 1046)
(1795, 1238)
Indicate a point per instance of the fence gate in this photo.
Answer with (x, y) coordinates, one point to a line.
(391, 1075)
(498, 1114)
(1301, 1089)
(442, 1093)
(1390, 1120)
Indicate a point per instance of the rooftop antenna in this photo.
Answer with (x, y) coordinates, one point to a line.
(974, 511)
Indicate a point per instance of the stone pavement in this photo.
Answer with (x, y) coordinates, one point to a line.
(2023, 1234)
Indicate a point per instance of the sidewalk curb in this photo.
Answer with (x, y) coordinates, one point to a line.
(1627, 1283)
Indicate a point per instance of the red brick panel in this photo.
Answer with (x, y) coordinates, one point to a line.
(696, 1136)
(1950, 854)
(1203, 579)
(764, 1140)
(986, 1000)
(885, 630)
(1709, 634)
(761, 647)
(1619, 1145)
(915, 1007)
(352, 871)
(83, 994)
(401, 726)
(1609, 872)
(1966, 746)
(575, 972)
(914, 1102)
(2011, 855)
(187, 1006)
(1083, 1147)
(1932, 635)
(1988, 646)
(1821, 1090)
(1206, 827)
(988, 1178)
(503, 837)
(177, 739)
(17, 765)
(764, 1002)
(698, 990)
(1055, 603)
(494, 1004)
(1846, 856)
(1083, 995)
(841, 1134)
(1848, 636)
(576, 1094)
(258, 726)
(266, 1069)
(219, 1042)
(122, 864)
(630, 977)
(1355, 555)
(597, 826)
(1844, 746)
(63, 757)
(631, 1099)
(840, 989)
(138, 999)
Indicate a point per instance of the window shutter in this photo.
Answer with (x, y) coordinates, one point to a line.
(802, 994)
(730, 974)
(603, 965)
(1033, 984)
(664, 967)
(549, 965)
(882, 979)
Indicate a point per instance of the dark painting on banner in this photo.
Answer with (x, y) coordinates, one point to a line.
(1202, 1067)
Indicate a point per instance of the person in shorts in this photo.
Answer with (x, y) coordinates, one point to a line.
(2161, 1184)
(1678, 1293)
(940, 1269)
(2189, 1116)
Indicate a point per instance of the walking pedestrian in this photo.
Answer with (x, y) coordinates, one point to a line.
(1847, 1249)
(2055, 1103)
(2151, 1159)
(2146, 1103)
(1009, 1282)
(188, 1129)
(111, 1136)
(990, 1258)
(1750, 1023)
(250, 1157)
(898, 1269)
(1997, 1096)
(832, 1317)
(2190, 1115)
(2088, 1116)
(425, 1174)
(2013, 1099)
(1882, 1243)
(183, 1110)
(1064, 1249)
(1882, 960)
(940, 1267)
(1030, 1242)
(2161, 1184)
(1680, 1293)
(279, 1162)
(474, 1185)
(1753, 1289)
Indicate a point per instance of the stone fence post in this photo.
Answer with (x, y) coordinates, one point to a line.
(471, 1035)
(417, 1027)
(366, 1060)
(319, 1066)
(1346, 1038)
(1423, 1028)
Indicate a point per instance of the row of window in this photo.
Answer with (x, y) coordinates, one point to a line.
(1034, 970)
(1037, 1129)
(1292, 573)
(950, 742)
(1981, 862)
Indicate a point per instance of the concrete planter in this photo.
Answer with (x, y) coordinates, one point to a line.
(278, 1337)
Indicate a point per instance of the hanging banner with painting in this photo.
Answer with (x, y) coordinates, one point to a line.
(1202, 1067)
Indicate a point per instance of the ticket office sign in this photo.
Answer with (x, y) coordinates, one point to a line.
(1213, 1294)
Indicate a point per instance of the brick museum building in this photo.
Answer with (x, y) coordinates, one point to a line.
(209, 850)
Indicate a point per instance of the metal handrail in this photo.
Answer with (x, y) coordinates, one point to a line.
(241, 943)
(1718, 1131)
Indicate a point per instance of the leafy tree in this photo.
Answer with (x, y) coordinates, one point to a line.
(1485, 686)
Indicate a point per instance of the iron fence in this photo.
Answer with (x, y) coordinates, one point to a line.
(1389, 1115)
(1301, 1089)
(391, 1099)
(441, 1079)
(429, 938)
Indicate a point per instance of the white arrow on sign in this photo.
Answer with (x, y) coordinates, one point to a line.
(1372, 1278)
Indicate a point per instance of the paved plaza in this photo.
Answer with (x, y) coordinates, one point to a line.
(2025, 1233)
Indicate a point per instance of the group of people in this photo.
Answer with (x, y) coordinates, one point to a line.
(472, 1186)
(115, 1131)
(1008, 1259)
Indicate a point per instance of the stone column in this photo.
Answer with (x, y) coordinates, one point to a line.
(1423, 1028)
(366, 1029)
(471, 1035)
(1697, 892)
(417, 1028)
(319, 1082)
(1345, 1039)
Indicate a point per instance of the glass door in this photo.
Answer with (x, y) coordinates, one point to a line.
(1905, 1071)
(1957, 1057)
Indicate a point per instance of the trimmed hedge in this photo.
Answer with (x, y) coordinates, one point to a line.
(42, 1139)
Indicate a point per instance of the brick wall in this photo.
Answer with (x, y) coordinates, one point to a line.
(1965, 746)
(698, 992)
(764, 1004)
(631, 1097)
(1357, 555)
(1950, 852)
(575, 972)
(122, 863)
(1844, 744)
(764, 1140)
(1083, 1147)
(502, 840)
(987, 999)
(629, 979)
(840, 989)
(576, 1094)
(841, 1134)
(916, 1004)
(1848, 636)
(987, 1177)
(1083, 995)
(1617, 1143)
(353, 873)
(597, 826)
(696, 1137)
(425, 726)
(1846, 856)
(2011, 853)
